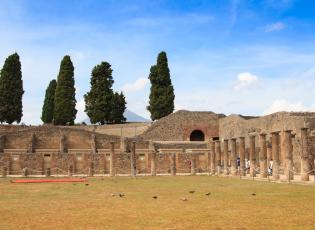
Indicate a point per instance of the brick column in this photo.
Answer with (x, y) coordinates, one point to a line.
(305, 153)
(242, 156)
(91, 166)
(233, 157)
(218, 156)
(62, 143)
(252, 155)
(2, 143)
(112, 159)
(207, 155)
(173, 163)
(269, 153)
(192, 164)
(287, 145)
(226, 157)
(153, 163)
(263, 156)
(212, 157)
(275, 155)
(153, 158)
(93, 143)
(133, 163)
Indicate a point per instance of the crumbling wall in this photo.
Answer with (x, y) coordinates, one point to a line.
(48, 137)
(179, 125)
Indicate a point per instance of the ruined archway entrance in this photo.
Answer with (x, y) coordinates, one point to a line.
(197, 135)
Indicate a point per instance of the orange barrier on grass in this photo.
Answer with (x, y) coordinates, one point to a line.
(48, 180)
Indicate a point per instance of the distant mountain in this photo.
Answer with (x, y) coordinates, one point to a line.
(131, 117)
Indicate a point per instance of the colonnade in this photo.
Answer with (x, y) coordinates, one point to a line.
(260, 165)
(229, 160)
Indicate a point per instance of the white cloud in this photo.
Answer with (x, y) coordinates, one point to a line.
(284, 105)
(245, 80)
(275, 27)
(138, 85)
(80, 106)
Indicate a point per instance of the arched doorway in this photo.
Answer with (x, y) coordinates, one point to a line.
(197, 135)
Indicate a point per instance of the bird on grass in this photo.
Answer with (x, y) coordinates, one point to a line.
(154, 197)
(192, 192)
(183, 199)
(253, 194)
(86, 184)
(208, 194)
(121, 194)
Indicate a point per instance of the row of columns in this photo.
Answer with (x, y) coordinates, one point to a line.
(215, 162)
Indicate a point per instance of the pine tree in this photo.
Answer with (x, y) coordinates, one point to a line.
(118, 109)
(11, 90)
(161, 101)
(48, 107)
(98, 101)
(64, 107)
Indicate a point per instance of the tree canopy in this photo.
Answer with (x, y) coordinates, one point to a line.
(11, 90)
(161, 100)
(49, 102)
(102, 105)
(65, 102)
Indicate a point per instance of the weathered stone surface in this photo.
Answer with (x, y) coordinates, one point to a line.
(252, 155)
(263, 156)
(305, 153)
(275, 155)
(179, 125)
(242, 155)
(218, 156)
(226, 157)
(233, 157)
(82, 150)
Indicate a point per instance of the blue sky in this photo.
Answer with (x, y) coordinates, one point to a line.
(227, 56)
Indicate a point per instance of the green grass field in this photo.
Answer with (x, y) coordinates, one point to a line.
(231, 204)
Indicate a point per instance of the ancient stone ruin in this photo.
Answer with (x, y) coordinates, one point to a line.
(182, 143)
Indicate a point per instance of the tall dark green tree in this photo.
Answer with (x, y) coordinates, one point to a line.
(118, 108)
(64, 107)
(161, 101)
(99, 100)
(11, 90)
(49, 102)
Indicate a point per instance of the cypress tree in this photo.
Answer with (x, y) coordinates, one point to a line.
(11, 90)
(161, 101)
(64, 107)
(118, 109)
(98, 101)
(48, 107)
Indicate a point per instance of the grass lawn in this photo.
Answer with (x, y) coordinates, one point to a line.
(231, 204)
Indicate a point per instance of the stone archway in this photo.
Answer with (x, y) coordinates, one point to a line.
(197, 135)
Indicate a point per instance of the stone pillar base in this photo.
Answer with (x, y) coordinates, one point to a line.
(252, 171)
(305, 168)
(233, 171)
(263, 169)
(288, 171)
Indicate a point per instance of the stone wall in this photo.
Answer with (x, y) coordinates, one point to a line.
(48, 137)
(179, 125)
(121, 130)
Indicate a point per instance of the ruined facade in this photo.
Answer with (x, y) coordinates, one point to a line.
(183, 142)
